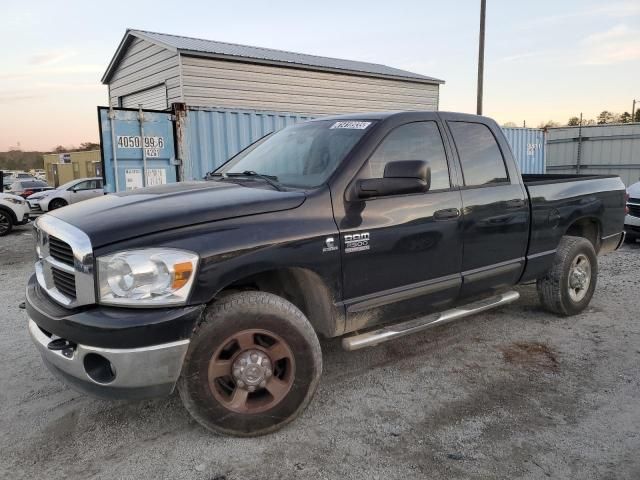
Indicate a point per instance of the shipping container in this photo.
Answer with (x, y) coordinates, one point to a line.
(596, 149)
(528, 147)
(213, 136)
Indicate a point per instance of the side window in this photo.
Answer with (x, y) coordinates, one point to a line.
(82, 185)
(413, 141)
(480, 156)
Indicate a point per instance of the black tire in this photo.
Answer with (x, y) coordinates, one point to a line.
(57, 203)
(6, 223)
(554, 287)
(241, 312)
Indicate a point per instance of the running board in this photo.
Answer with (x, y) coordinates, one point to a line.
(374, 337)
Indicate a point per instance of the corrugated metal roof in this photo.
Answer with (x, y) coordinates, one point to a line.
(211, 47)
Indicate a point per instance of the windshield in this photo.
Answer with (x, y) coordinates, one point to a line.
(302, 155)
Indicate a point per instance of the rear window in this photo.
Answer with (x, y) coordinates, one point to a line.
(480, 156)
(33, 184)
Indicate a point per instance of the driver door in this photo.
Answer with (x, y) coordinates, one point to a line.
(82, 191)
(403, 255)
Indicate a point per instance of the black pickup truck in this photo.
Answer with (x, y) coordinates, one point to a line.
(367, 226)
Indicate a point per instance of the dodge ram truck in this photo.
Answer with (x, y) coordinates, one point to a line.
(368, 226)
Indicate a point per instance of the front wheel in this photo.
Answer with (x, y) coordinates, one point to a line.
(568, 286)
(252, 367)
(6, 223)
(57, 203)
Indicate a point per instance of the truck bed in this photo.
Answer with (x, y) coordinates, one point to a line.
(593, 203)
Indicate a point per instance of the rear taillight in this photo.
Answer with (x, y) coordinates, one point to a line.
(626, 201)
(26, 193)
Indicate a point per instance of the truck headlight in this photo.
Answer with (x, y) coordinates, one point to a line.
(154, 276)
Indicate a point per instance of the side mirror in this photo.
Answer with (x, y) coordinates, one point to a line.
(400, 178)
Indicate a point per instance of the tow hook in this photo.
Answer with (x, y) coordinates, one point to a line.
(65, 346)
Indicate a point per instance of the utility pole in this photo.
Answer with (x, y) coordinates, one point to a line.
(483, 9)
(633, 111)
(578, 159)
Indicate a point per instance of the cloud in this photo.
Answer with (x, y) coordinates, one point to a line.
(50, 57)
(619, 44)
(519, 56)
(624, 9)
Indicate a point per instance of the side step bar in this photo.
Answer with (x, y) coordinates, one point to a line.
(374, 337)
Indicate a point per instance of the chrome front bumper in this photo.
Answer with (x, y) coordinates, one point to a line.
(136, 372)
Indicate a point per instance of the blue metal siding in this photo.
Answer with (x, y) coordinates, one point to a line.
(129, 159)
(528, 146)
(212, 136)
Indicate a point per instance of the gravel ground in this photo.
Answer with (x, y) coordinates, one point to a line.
(513, 393)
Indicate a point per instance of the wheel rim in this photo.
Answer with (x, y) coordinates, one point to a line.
(579, 277)
(252, 371)
(4, 224)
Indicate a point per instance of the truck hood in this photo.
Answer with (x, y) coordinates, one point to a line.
(120, 216)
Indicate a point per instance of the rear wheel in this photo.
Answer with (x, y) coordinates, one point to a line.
(6, 223)
(57, 203)
(252, 367)
(568, 286)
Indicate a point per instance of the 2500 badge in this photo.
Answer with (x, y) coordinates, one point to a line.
(356, 242)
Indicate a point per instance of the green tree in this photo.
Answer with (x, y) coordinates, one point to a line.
(89, 146)
(625, 118)
(548, 124)
(573, 122)
(605, 117)
(636, 116)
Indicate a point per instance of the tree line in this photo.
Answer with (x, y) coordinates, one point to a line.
(605, 117)
(16, 159)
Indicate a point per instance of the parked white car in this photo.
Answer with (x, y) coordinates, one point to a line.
(71, 192)
(14, 210)
(632, 220)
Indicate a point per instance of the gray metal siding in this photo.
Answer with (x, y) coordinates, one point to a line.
(145, 66)
(153, 98)
(606, 149)
(218, 83)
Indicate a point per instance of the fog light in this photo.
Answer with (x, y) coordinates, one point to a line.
(99, 369)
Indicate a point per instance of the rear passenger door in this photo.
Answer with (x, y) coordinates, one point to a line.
(495, 222)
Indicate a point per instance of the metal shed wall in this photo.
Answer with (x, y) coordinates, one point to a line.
(605, 149)
(210, 137)
(528, 147)
(210, 82)
(144, 66)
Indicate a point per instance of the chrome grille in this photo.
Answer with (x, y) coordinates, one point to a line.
(60, 250)
(65, 282)
(64, 268)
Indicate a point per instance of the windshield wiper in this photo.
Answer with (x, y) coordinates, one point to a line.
(270, 179)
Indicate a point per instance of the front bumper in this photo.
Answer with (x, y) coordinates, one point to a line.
(113, 373)
(114, 353)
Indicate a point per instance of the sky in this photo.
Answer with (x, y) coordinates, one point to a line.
(544, 60)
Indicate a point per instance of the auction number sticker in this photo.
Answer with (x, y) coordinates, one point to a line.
(152, 145)
(352, 124)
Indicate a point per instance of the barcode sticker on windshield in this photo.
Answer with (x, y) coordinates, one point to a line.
(351, 124)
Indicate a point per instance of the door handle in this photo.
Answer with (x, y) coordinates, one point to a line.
(518, 203)
(446, 214)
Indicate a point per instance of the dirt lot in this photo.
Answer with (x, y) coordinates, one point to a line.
(514, 393)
